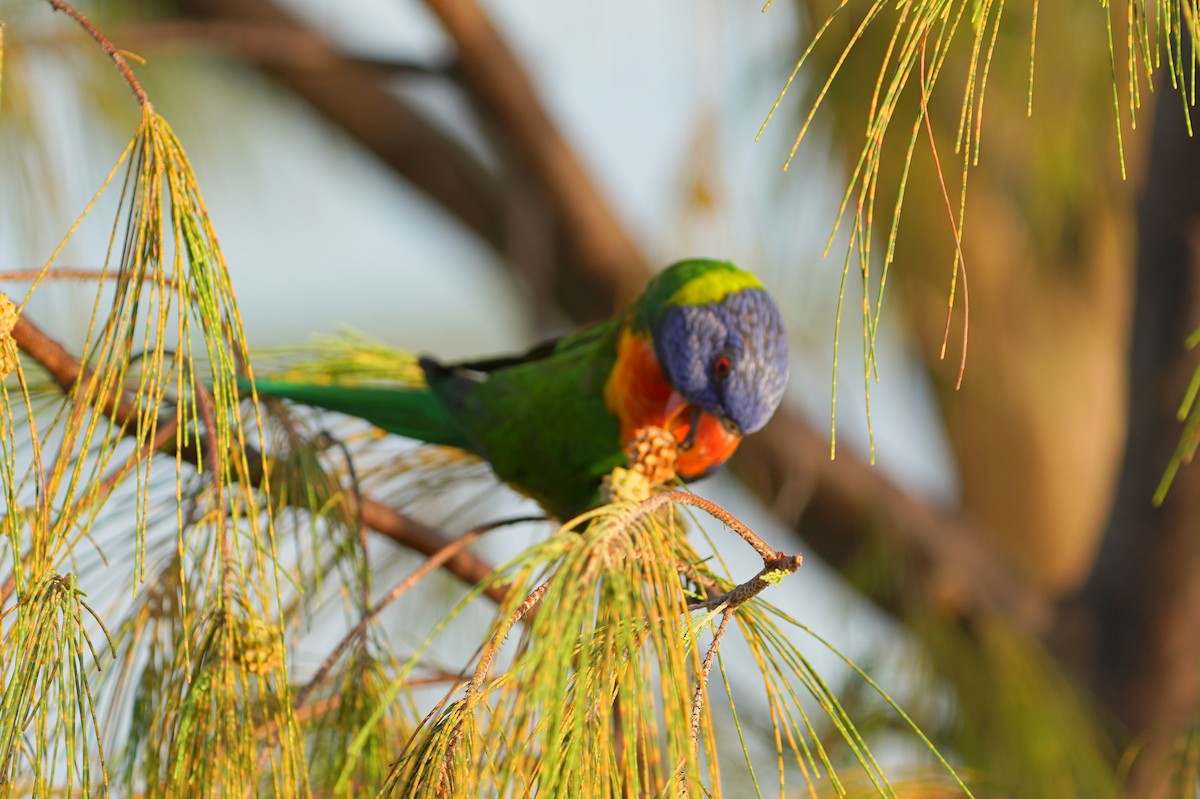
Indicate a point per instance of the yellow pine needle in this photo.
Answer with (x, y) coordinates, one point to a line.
(48, 700)
(171, 309)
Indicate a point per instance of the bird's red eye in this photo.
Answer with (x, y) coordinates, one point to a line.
(721, 366)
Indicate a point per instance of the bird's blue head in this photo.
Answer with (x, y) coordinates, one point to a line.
(720, 341)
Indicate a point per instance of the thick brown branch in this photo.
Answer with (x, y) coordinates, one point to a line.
(65, 368)
(66, 371)
(568, 266)
(409, 532)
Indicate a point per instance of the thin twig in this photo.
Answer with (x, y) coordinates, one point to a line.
(493, 647)
(485, 663)
(327, 438)
(204, 403)
(701, 685)
(765, 550)
(165, 433)
(109, 47)
(74, 273)
(959, 257)
(329, 704)
(408, 532)
(776, 565)
(772, 571)
(431, 563)
(711, 587)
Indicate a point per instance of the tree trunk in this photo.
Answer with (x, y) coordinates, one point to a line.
(1142, 602)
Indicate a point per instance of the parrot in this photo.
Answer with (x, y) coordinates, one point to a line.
(701, 353)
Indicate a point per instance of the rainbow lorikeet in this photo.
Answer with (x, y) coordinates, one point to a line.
(701, 352)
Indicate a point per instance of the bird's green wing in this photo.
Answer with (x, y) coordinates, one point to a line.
(410, 412)
(543, 423)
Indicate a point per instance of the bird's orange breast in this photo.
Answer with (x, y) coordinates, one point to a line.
(638, 394)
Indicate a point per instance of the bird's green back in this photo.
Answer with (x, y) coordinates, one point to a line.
(543, 424)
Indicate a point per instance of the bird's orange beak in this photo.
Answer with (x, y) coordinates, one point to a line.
(681, 417)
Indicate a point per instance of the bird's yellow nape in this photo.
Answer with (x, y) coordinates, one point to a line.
(714, 286)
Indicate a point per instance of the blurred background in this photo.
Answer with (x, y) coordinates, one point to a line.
(462, 180)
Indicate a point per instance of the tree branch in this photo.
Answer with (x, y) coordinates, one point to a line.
(557, 260)
(371, 611)
(67, 372)
(606, 252)
(1140, 611)
(838, 505)
(265, 44)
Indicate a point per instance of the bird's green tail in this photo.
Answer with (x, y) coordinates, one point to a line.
(410, 412)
